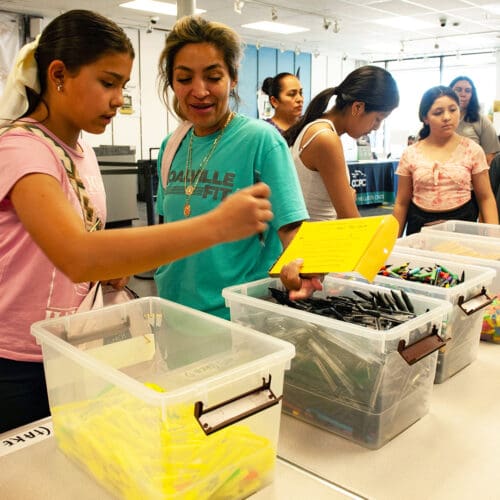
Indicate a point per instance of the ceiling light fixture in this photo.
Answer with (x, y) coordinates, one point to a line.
(168, 9)
(297, 50)
(336, 26)
(238, 6)
(326, 23)
(274, 14)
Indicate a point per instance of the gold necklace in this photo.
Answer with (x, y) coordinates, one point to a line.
(190, 188)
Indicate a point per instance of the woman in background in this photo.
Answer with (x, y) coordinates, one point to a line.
(472, 124)
(285, 96)
(363, 100)
(437, 173)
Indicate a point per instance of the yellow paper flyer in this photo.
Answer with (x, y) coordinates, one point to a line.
(359, 245)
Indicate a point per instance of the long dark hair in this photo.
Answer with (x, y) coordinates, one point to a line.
(272, 85)
(369, 84)
(77, 38)
(472, 111)
(426, 104)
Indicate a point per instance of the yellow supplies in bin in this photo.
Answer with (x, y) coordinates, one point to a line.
(464, 286)
(364, 384)
(158, 401)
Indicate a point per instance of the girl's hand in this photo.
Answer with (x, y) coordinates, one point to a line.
(243, 213)
(117, 283)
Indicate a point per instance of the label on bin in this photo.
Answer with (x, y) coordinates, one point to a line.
(18, 439)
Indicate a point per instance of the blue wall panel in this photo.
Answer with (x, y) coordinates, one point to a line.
(259, 64)
(286, 62)
(247, 84)
(266, 63)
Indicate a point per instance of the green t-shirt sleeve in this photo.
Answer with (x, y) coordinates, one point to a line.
(278, 171)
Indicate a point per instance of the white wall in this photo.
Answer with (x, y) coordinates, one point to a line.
(9, 44)
(146, 125)
(329, 71)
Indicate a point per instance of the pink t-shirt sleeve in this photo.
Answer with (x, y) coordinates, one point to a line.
(34, 156)
(477, 157)
(404, 164)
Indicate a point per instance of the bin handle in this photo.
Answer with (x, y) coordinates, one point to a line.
(475, 303)
(235, 409)
(421, 348)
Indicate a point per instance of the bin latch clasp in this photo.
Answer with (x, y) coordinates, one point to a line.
(235, 409)
(475, 303)
(422, 348)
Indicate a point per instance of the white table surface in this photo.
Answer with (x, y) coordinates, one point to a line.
(451, 453)
(37, 470)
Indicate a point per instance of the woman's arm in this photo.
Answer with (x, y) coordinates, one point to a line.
(403, 199)
(57, 229)
(485, 198)
(325, 154)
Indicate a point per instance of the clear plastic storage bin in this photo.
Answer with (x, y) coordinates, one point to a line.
(349, 379)
(467, 228)
(159, 401)
(467, 249)
(463, 328)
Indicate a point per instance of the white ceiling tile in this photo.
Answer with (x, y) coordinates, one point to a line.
(359, 35)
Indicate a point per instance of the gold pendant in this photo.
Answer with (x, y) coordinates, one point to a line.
(189, 190)
(187, 210)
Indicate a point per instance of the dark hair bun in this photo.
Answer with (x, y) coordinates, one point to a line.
(267, 85)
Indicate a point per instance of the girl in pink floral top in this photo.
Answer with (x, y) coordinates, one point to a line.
(438, 174)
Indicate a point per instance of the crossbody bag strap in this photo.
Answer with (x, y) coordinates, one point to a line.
(171, 148)
(91, 219)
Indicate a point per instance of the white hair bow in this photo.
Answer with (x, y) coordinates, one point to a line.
(24, 73)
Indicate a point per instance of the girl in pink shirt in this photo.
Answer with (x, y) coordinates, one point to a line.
(438, 173)
(71, 79)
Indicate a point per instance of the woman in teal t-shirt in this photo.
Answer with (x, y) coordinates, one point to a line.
(221, 153)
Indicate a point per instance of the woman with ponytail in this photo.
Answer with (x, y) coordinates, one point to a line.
(362, 101)
(438, 173)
